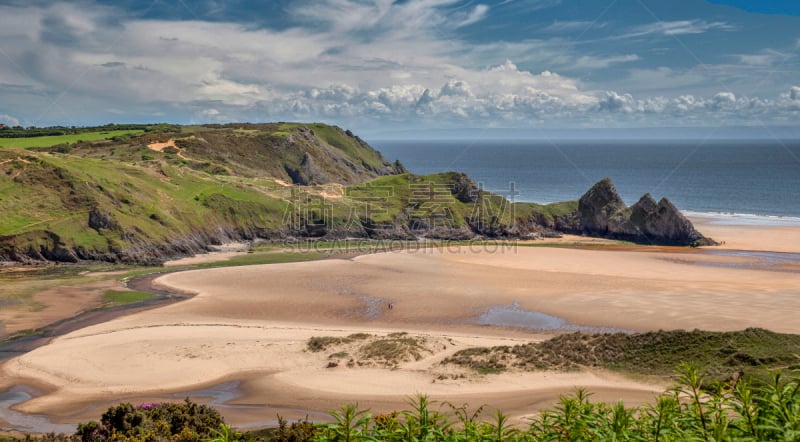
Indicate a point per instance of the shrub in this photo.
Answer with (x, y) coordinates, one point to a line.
(320, 343)
(187, 421)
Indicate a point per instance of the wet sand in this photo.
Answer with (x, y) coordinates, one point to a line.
(52, 305)
(250, 325)
(69, 321)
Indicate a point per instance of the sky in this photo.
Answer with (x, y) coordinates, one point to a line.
(387, 65)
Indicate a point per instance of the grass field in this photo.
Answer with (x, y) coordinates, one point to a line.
(65, 139)
(122, 298)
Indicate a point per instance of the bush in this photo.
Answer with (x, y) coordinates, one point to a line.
(188, 421)
(61, 148)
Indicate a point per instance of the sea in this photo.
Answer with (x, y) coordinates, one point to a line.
(744, 181)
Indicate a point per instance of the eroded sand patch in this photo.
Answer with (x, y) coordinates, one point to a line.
(159, 147)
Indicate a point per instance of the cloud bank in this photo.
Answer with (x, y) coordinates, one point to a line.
(361, 63)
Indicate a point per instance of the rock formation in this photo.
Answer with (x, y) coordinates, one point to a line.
(601, 212)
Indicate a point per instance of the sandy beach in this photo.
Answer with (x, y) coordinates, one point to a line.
(745, 236)
(250, 325)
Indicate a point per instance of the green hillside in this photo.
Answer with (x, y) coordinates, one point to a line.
(147, 196)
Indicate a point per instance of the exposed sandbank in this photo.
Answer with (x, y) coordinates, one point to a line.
(251, 324)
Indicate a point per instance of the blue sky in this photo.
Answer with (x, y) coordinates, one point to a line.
(376, 65)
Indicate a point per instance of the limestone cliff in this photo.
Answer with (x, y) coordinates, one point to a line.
(601, 212)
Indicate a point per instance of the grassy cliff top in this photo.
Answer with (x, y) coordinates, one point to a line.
(293, 152)
(143, 193)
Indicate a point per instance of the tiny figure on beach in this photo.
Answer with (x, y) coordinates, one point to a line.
(391, 305)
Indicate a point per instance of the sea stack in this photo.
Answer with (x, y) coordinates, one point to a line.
(602, 212)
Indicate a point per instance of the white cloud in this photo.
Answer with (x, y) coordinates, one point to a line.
(594, 62)
(765, 57)
(8, 120)
(349, 16)
(212, 114)
(725, 97)
(678, 27)
(456, 88)
(460, 103)
(502, 92)
(685, 103)
(614, 102)
(573, 26)
(477, 14)
(342, 15)
(723, 108)
(355, 62)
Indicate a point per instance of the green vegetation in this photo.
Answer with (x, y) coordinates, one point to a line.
(22, 334)
(362, 349)
(739, 411)
(546, 214)
(263, 258)
(351, 145)
(180, 422)
(122, 201)
(128, 297)
(33, 132)
(751, 353)
(18, 286)
(393, 349)
(321, 343)
(53, 140)
(64, 136)
(134, 271)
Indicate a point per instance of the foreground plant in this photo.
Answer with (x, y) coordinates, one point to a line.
(691, 411)
(187, 421)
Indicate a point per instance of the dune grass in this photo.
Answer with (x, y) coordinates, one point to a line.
(722, 355)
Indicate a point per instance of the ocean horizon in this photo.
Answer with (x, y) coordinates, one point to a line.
(734, 181)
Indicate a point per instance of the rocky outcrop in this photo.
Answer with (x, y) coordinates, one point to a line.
(464, 189)
(601, 212)
(99, 219)
(308, 173)
(601, 209)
